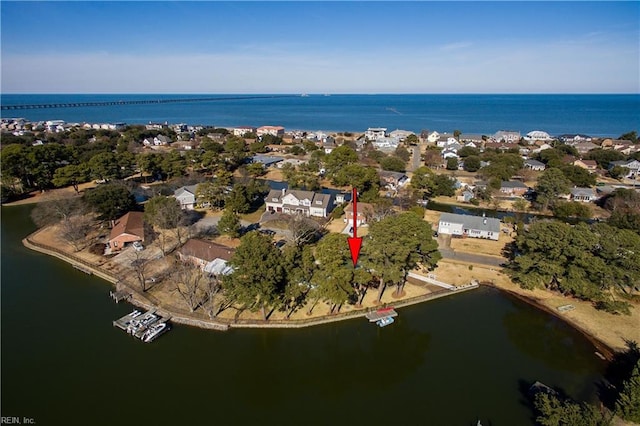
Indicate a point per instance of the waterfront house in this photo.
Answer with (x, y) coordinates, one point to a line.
(513, 188)
(387, 144)
(469, 226)
(537, 135)
(571, 139)
(401, 135)
(212, 258)
(159, 140)
(470, 138)
(374, 133)
(433, 137)
(306, 203)
(446, 140)
(507, 136)
(127, 229)
(243, 130)
(584, 195)
(534, 165)
(466, 196)
(365, 211)
(186, 196)
(270, 130)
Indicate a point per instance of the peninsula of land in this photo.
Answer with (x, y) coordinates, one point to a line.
(247, 227)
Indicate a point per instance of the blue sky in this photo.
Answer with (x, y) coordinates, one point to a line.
(320, 47)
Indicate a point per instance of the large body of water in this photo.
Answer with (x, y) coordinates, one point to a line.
(445, 362)
(595, 115)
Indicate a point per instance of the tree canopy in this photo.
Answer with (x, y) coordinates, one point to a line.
(110, 200)
(585, 261)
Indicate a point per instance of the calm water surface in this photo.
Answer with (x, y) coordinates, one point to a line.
(445, 362)
(595, 115)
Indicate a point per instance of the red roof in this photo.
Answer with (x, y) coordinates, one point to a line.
(131, 223)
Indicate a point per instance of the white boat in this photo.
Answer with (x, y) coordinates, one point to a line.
(154, 331)
(383, 322)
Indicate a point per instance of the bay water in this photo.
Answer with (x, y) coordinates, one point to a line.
(446, 362)
(594, 115)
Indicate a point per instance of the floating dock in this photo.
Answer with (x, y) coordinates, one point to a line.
(380, 314)
(137, 323)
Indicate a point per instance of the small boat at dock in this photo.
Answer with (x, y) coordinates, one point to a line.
(154, 331)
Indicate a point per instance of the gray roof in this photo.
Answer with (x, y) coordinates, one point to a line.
(582, 192)
(189, 188)
(314, 197)
(489, 224)
(534, 163)
(267, 160)
(512, 184)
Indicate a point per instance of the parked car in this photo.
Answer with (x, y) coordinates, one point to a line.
(137, 246)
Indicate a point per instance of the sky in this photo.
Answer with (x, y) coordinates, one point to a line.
(320, 47)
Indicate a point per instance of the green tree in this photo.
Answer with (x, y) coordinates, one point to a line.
(472, 163)
(467, 151)
(229, 223)
(71, 175)
(551, 184)
(630, 136)
(339, 158)
(412, 140)
(452, 163)
(333, 276)
(578, 176)
(628, 403)
(502, 166)
(258, 278)
(393, 164)
(110, 201)
(554, 412)
(624, 205)
(402, 153)
(364, 178)
(618, 172)
(104, 166)
(396, 245)
(604, 156)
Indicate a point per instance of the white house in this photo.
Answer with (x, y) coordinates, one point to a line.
(446, 140)
(534, 165)
(585, 195)
(157, 141)
(386, 143)
(270, 130)
(538, 135)
(401, 134)
(469, 226)
(374, 133)
(632, 165)
(243, 130)
(186, 196)
(433, 137)
(306, 203)
(507, 136)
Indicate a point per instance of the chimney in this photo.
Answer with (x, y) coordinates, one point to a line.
(283, 191)
(484, 221)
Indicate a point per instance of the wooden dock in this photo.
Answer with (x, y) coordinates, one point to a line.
(120, 295)
(380, 314)
(149, 318)
(83, 269)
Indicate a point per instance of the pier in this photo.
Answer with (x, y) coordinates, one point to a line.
(136, 323)
(137, 102)
(120, 295)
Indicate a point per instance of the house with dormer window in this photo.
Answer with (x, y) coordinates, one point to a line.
(306, 203)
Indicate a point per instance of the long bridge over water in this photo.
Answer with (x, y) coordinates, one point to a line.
(137, 102)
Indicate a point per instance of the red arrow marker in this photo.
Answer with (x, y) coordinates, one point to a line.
(355, 242)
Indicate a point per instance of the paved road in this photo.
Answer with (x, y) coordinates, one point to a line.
(415, 163)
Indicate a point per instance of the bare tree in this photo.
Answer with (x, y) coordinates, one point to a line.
(214, 300)
(188, 282)
(140, 266)
(74, 230)
(56, 210)
(302, 230)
